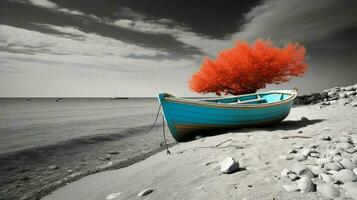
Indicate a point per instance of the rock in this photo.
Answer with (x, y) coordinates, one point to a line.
(348, 88)
(145, 192)
(198, 137)
(324, 95)
(291, 188)
(315, 155)
(229, 165)
(325, 103)
(348, 164)
(285, 173)
(351, 150)
(292, 151)
(300, 157)
(342, 95)
(325, 137)
(317, 170)
(307, 151)
(304, 119)
(337, 158)
(351, 93)
(113, 196)
(328, 190)
(333, 166)
(354, 104)
(289, 157)
(331, 152)
(293, 176)
(306, 185)
(351, 189)
(112, 152)
(327, 178)
(322, 161)
(298, 145)
(345, 176)
(53, 167)
(302, 170)
(313, 145)
(355, 170)
(344, 145)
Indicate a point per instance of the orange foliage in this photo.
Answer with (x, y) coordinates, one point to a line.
(246, 68)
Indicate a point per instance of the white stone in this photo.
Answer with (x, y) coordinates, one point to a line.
(302, 170)
(344, 145)
(145, 192)
(333, 166)
(307, 151)
(229, 165)
(113, 196)
(348, 164)
(345, 176)
(285, 172)
(299, 157)
(306, 185)
(351, 189)
(328, 190)
(327, 178)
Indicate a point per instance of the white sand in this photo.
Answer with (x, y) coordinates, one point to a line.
(192, 170)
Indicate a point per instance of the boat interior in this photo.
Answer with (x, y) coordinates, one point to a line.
(251, 99)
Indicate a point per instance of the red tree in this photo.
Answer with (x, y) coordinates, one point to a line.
(246, 68)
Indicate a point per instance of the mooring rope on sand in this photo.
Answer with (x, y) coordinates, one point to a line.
(163, 128)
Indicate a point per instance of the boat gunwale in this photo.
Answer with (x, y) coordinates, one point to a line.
(201, 102)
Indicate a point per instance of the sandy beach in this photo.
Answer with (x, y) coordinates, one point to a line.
(192, 171)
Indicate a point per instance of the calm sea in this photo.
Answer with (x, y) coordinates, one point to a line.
(38, 122)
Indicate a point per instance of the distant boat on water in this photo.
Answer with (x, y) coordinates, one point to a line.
(187, 118)
(114, 97)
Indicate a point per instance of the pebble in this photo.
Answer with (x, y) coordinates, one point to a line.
(304, 119)
(112, 152)
(348, 164)
(355, 170)
(328, 190)
(291, 188)
(333, 166)
(307, 151)
(229, 165)
(53, 167)
(327, 178)
(145, 192)
(302, 170)
(285, 172)
(345, 176)
(113, 196)
(351, 150)
(300, 157)
(293, 176)
(322, 161)
(351, 189)
(306, 185)
(315, 155)
(298, 145)
(292, 151)
(344, 145)
(326, 138)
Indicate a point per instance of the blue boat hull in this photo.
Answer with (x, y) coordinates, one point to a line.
(187, 118)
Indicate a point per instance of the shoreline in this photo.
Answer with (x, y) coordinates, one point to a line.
(33, 173)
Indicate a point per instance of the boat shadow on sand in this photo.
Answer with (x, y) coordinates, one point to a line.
(285, 125)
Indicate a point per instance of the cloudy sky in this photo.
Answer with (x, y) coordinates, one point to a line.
(89, 48)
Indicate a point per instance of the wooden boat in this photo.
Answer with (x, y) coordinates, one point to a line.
(187, 118)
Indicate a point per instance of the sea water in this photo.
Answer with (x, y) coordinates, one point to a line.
(30, 123)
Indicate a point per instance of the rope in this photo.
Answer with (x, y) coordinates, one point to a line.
(163, 131)
(153, 125)
(163, 128)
